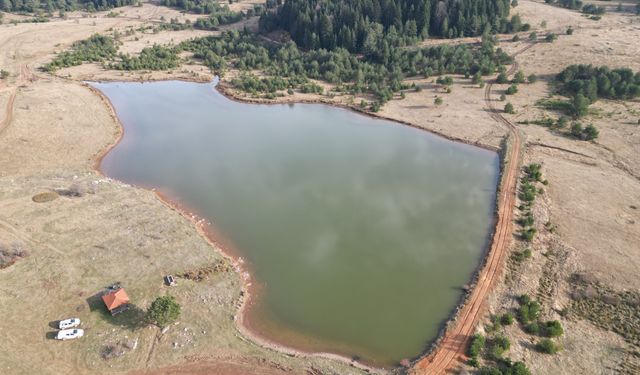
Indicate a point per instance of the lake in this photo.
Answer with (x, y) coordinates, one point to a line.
(360, 232)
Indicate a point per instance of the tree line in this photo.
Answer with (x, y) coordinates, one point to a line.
(365, 26)
(33, 6)
(578, 5)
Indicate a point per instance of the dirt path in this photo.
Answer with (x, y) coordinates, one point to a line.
(453, 346)
(26, 76)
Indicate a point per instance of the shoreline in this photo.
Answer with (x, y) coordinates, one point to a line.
(208, 232)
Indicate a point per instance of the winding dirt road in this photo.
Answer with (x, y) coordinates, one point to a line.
(453, 346)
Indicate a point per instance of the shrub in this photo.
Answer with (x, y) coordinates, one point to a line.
(507, 319)
(576, 129)
(447, 81)
(533, 36)
(551, 37)
(533, 328)
(552, 328)
(590, 132)
(476, 345)
(499, 345)
(473, 362)
(508, 108)
(528, 310)
(163, 311)
(569, 30)
(521, 256)
(502, 78)
(547, 346)
(518, 77)
(517, 368)
(512, 90)
(528, 234)
(562, 122)
(438, 100)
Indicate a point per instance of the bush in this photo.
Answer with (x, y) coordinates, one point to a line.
(512, 90)
(508, 108)
(551, 37)
(547, 346)
(521, 256)
(533, 36)
(499, 345)
(590, 132)
(163, 311)
(528, 234)
(533, 328)
(476, 345)
(438, 101)
(528, 310)
(507, 319)
(518, 77)
(502, 78)
(446, 81)
(569, 30)
(552, 328)
(473, 362)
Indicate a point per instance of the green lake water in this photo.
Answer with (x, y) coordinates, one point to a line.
(360, 232)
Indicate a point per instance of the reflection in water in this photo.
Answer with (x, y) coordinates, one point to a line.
(361, 230)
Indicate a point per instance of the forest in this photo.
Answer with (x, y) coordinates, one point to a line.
(294, 67)
(365, 26)
(33, 6)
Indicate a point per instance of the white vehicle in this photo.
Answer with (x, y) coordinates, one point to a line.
(69, 323)
(70, 334)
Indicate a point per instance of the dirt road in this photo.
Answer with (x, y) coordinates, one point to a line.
(454, 344)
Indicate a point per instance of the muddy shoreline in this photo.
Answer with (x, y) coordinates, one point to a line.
(224, 248)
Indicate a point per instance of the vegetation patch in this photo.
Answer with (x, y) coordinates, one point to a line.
(204, 273)
(9, 254)
(585, 84)
(150, 58)
(528, 193)
(97, 48)
(381, 76)
(617, 311)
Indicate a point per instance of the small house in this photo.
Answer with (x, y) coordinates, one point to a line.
(116, 301)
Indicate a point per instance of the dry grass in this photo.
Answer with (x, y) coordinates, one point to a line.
(125, 234)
